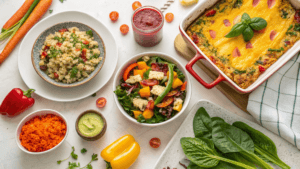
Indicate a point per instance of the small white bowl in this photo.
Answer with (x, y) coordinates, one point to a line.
(119, 75)
(29, 117)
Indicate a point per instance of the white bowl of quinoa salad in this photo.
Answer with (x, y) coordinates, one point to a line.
(68, 54)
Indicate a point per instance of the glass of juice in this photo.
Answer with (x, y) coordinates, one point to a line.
(147, 23)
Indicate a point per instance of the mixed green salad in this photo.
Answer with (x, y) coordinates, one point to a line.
(152, 90)
(219, 145)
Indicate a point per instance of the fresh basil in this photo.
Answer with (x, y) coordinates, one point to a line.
(248, 34)
(236, 30)
(258, 23)
(246, 18)
(263, 144)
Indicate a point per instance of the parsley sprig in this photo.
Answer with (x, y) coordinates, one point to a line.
(74, 156)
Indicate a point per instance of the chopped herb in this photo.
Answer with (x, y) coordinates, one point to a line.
(50, 11)
(222, 10)
(62, 1)
(252, 71)
(73, 149)
(54, 52)
(259, 62)
(290, 27)
(239, 71)
(90, 32)
(284, 14)
(74, 156)
(276, 50)
(89, 165)
(84, 150)
(61, 40)
(238, 4)
(94, 56)
(93, 95)
(291, 33)
(200, 21)
(74, 72)
(223, 59)
(297, 27)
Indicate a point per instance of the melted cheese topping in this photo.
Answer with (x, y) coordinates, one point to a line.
(261, 41)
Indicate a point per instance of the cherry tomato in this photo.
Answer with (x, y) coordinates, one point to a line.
(83, 55)
(59, 44)
(77, 49)
(63, 30)
(124, 29)
(101, 102)
(55, 75)
(297, 16)
(150, 105)
(44, 53)
(166, 102)
(150, 82)
(44, 67)
(172, 93)
(85, 42)
(136, 5)
(169, 17)
(114, 16)
(155, 142)
(183, 87)
(261, 69)
(211, 13)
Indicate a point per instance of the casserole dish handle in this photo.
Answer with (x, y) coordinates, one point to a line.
(189, 68)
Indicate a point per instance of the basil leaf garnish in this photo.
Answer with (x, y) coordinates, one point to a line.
(258, 23)
(236, 30)
(246, 18)
(248, 34)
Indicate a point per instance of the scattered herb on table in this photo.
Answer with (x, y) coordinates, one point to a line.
(94, 95)
(62, 1)
(50, 11)
(83, 150)
(75, 156)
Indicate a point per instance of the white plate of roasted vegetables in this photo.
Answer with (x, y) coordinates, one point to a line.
(212, 137)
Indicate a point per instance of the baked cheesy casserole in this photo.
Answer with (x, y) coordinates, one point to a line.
(260, 32)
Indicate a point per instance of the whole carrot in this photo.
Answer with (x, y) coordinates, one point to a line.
(34, 17)
(18, 15)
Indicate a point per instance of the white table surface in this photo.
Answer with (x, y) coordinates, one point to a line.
(13, 158)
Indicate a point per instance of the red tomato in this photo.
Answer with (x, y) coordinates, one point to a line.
(172, 93)
(85, 42)
(114, 16)
(195, 38)
(150, 82)
(55, 75)
(44, 53)
(77, 49)
(46, 48)
(183, 87)
(59, 44)
(136, 5)
(155, 142)
(212, 12)
(101, 102)
(297, 16)
(83, 55)
(169, 17)
(166, 102)
(160, 67)
(261, 69)
(63, 30)
(150, 105)
(124, 29)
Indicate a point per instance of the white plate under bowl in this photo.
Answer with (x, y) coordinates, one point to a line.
(174, 153)
(51, 92)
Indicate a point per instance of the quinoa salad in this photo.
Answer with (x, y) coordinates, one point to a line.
(148, 91)
(69, 55)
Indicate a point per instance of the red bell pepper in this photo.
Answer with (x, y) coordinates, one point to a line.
(16, 102)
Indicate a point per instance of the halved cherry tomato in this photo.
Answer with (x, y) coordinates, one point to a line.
(150, 82)
(211, 13)
(172, 93)
(83, 55)
(166, 102)
(56, 75)
(128, 69)
(155, 142)
(124, 29)
(63, 30)
(46, 47)
(114, 16)
(44, 53)
(77, 49)
(261, 69)
(169, 17)
(101, 102)
(195, 38)
(183, 87)
(136, 5)
(59, 44)
(150, 105)
(85, 42)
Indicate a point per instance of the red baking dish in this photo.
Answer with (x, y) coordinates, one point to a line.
(190, 18)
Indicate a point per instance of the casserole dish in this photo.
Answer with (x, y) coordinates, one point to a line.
(191, 17)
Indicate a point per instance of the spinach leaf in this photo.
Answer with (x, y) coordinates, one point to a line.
(248, 34)
(263, 144)
(246, 18)
(201, 152)
(221, 165)
(229, 139)
(200, 129)
(236, 30)
(258, 23)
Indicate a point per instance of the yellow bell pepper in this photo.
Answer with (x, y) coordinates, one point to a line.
(148, 114)
(178, 108)
(175, 75)
(176, 83)
(136, 113)
(142, 65)
(139, 72)
(122, 153)
(145, 91)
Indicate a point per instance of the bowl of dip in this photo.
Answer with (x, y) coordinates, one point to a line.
(90, 125)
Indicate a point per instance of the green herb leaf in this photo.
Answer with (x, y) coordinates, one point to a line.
(74, 72)
(236, 30)
(236, 71)
(246, 18)
(90, 32)
(238, 3)
(258, 23)
(89, 166)
(94, 157)
(59, 161)
(62, 1)
(73, 165)
(73, 155)
(108, 166)
(290, 27)
(276, 50)
(94, 95)
(248, 34)
(84, 150)
(50, 11)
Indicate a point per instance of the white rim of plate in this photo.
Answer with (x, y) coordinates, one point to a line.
(114, 54)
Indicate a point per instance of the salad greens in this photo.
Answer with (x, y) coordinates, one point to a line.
(221, 145)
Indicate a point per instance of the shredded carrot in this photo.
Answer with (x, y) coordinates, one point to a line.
(42, 133)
